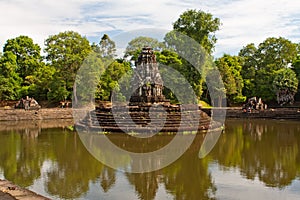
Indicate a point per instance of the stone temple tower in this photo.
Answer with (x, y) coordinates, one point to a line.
(147, 82)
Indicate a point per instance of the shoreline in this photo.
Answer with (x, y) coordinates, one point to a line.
(272, 113)
(10, 191)
(35, 115)
(44, 114)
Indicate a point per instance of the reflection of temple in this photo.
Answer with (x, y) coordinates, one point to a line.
(147, 82)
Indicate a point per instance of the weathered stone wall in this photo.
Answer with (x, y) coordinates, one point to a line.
(41, 114)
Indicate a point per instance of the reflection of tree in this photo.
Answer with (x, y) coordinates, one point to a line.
(73, 168)
(20, 158)
(187, 178)
(146, 184)
(108, 178)
(267, 150)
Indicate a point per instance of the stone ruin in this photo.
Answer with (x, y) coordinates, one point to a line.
(147, 80)
(148, 110)
(27, 104)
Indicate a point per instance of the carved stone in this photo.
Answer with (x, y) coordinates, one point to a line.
(147, 82)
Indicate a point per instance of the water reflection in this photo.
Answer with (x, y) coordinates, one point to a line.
(266, 150)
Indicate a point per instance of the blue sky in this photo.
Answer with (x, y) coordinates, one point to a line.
(243, 21)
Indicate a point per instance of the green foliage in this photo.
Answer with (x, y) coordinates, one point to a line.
(88, 77)
(193, 39)
(259, 65)
(285, 84)
(296, 69)
(10, 82)
(27, 54)
(200, 26)
(135, 46)
(249, 66)
(107, 47)
(230, 68)
(58, 90)
(42, 80)
(275, 53)
(66, 52)
(285, 79)
(111, 79)
(21, 59)
(8, 88)
(215, 87)
(176, 78)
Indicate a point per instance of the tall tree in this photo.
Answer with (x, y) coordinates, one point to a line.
(193, 37)
(66, 52)
(285, 84)
(260, 65)
(200, 26)
(107, 48)
(135, 46)
(249, 66)
(296, 68)
(110, 79)
(27, 55)
(230, 68)
(10, 82)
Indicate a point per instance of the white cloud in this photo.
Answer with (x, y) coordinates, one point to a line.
(244, 21)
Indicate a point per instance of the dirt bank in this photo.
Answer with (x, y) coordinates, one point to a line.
(272, 113)
(276, 113)
(9, 191)
(18, 115)
(33, 115)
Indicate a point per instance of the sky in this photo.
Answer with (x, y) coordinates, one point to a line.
(243, 21)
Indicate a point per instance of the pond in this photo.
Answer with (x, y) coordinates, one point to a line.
(253, 159)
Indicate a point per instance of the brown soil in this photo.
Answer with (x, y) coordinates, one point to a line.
(9, 191)
(41, 114)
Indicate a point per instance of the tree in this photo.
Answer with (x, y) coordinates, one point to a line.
(193, 39)
(27, 54)
(66, 52)
(107, 48)
(41, 82)
(276, 53)
(110, 79)
(260, 65)
(88, 77)
(249, 66)
(10, 82)
(200, 26)
(296, 69)
(285, 85)
(135, 46)
(230, 68)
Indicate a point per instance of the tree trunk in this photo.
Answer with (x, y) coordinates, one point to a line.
(75, 99)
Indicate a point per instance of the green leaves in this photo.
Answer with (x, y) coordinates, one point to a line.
(27, 54)
(230, 70)
(135, 46)
(285, 85)
(260, 65)
(200, 26)
(66, 52)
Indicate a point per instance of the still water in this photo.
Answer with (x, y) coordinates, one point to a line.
(253, 159)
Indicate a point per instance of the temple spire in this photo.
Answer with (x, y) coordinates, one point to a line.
(147, 82)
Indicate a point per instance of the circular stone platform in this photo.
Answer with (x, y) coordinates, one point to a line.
(147, 119)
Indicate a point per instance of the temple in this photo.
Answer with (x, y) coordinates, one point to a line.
(147, 82)
(148, 110)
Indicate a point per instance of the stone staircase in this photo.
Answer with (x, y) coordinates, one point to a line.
(147, 119)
